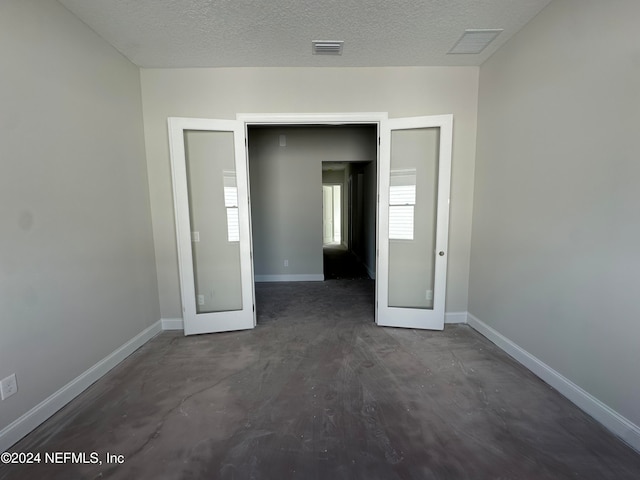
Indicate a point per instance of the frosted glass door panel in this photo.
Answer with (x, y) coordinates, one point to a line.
(213, 215)
(413, 195)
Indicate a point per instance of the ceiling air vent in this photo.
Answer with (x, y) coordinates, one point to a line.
(327, 47)
(475, 41)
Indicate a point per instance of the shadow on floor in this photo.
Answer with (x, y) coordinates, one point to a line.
(340, 264)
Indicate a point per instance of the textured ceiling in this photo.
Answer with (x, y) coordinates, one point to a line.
(278, 33)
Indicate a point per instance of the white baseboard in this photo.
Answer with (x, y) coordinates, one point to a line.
(172, 324)
(311, 277)
(19, 428)
(455, 317)
(609, 418)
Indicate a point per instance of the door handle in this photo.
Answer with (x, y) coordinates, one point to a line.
(441, 253)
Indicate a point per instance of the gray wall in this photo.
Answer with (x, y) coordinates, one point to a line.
(556, 236)
(370, 181)
(223, 92)
(286, 192)
(336, 176)
(77, 272)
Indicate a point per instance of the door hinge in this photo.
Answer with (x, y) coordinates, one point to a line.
(378, 140)
(254, 307)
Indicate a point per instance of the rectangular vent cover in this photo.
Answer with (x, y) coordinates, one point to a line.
(327, 47)
(475, 41)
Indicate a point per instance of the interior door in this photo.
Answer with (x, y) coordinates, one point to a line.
(413, 215)
(210, 186)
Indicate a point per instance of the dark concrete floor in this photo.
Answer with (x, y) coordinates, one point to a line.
(317, 391)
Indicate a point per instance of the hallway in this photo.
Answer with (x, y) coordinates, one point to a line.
(340, 264)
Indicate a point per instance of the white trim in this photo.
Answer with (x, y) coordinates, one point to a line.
(311, 277)
(311, 118)
(28, 422)
(172, 324)
(609, 418)
(455, 317)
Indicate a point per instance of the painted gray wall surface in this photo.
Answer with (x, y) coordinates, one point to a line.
(77, 270)
(556, 236)
(223, 92)
(286, 192)
(333, 176)
(370, 181)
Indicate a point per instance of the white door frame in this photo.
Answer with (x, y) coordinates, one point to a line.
(283, 119)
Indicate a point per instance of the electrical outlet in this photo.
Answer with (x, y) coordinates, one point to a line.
(200, 299)
(8, 386)
(429, 295)
(286, 263)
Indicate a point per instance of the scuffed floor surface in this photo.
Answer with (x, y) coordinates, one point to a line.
(317, 391)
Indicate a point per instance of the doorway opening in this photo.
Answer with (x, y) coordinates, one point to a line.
(313, 201)
(351, 187)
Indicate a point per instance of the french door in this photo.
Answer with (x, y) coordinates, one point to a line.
(211, 198)
(413, 221)
(210, 183)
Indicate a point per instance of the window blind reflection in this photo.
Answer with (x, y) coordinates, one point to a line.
(231, 203)
(402, 201)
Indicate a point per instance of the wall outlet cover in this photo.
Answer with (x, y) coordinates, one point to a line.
(8, 386)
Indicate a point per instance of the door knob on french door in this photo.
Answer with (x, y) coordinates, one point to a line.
(441, 253)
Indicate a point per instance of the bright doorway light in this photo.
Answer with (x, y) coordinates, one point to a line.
(331, 214)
